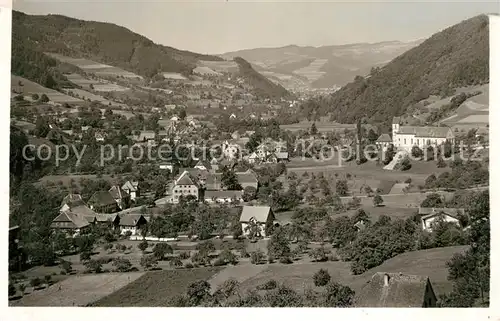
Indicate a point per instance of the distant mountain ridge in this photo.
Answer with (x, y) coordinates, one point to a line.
(455, 57)
(323, 66)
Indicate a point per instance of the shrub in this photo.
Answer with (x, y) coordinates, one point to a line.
(188, 265)
(269, 285)
(321, 278)
(256, 257)
(219, 262)
(184, 255)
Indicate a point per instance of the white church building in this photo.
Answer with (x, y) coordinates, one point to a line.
(405, 137)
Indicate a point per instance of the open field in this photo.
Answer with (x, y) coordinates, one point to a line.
(431, 263)
(83, 94)
(220, 66)
(30, 88)
(173, 76)
(156, 288)
(79, 290)
(95, 67)
(68, 179)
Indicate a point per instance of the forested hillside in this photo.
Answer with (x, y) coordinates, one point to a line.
(455, 57)
(262, 86)
(103, 42)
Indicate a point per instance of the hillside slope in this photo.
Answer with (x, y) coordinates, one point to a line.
(103, 42)
(324, 66)
(455, 57)
(262, 86)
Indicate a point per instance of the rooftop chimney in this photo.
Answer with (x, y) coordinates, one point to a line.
(386, 279)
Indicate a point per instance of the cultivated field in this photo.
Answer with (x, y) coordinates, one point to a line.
(78, 290)
(321, 126)
(95, 67)
(156, 288)
(86, 95)
(30, 88)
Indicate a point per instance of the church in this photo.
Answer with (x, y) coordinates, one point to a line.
(405, 137)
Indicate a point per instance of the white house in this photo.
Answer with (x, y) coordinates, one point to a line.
(384, 141)
(260, 215)
(405, 137)
(430, 216)
(132, 189)
(166, 166)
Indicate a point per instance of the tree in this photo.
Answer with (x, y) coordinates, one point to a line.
(12, 289)
(441, 163)
(278, 246)
(372, 136)
(341, 187)
(176, 262)
(229, 180)
(405, 164)
(430, 181)
(41, 127)
(35, 97)
(161, 249)
(433, 200)
(143, 245)
(313, 131)
(338, 295)
(257, 257)
(319, 254)
(377, 200)
(253, 230)
(227, 256)
(416, 152)
(148, 262)
(249, 193)
(122, 265)
(44, 98)
(66, 266)
(321, 278)
(197, 292)
(389, 154)
(226, 289)
(93, 266)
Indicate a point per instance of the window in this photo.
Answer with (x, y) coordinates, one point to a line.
(405, 141)
(418, 141)
(412, 141)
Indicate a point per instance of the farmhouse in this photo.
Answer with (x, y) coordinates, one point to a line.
(430, 216)
(74, 215)
(103, 202)
(230, 150)
(405, 137)
(397, 290)
(132, 222)
(259, 216)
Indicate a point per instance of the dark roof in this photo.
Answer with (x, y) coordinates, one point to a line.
(224, 194)
(402, 290)
(68, 216)
(431, 132)
(205, 163)
(106, 217)
(102, 198)
(131, 219)
(116, 192)
(185, 179)
(260, 213)
(384, 138)
(246, 177)
(131, 186)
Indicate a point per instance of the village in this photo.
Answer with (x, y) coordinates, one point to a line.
(190, 180)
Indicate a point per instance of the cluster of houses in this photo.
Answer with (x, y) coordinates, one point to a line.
(203, 183)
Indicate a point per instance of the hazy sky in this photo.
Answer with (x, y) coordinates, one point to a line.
(219, 26)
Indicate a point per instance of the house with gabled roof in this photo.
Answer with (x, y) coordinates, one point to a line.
(132, 189)
(430, 216)
(185, 185)
(261, 216)
(384, 140)
(121, 197)
(396, 290)
(133, 223)
(103, 202)
(204, 165)
(74, 215)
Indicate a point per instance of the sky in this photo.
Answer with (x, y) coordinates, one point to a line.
(218, 26)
